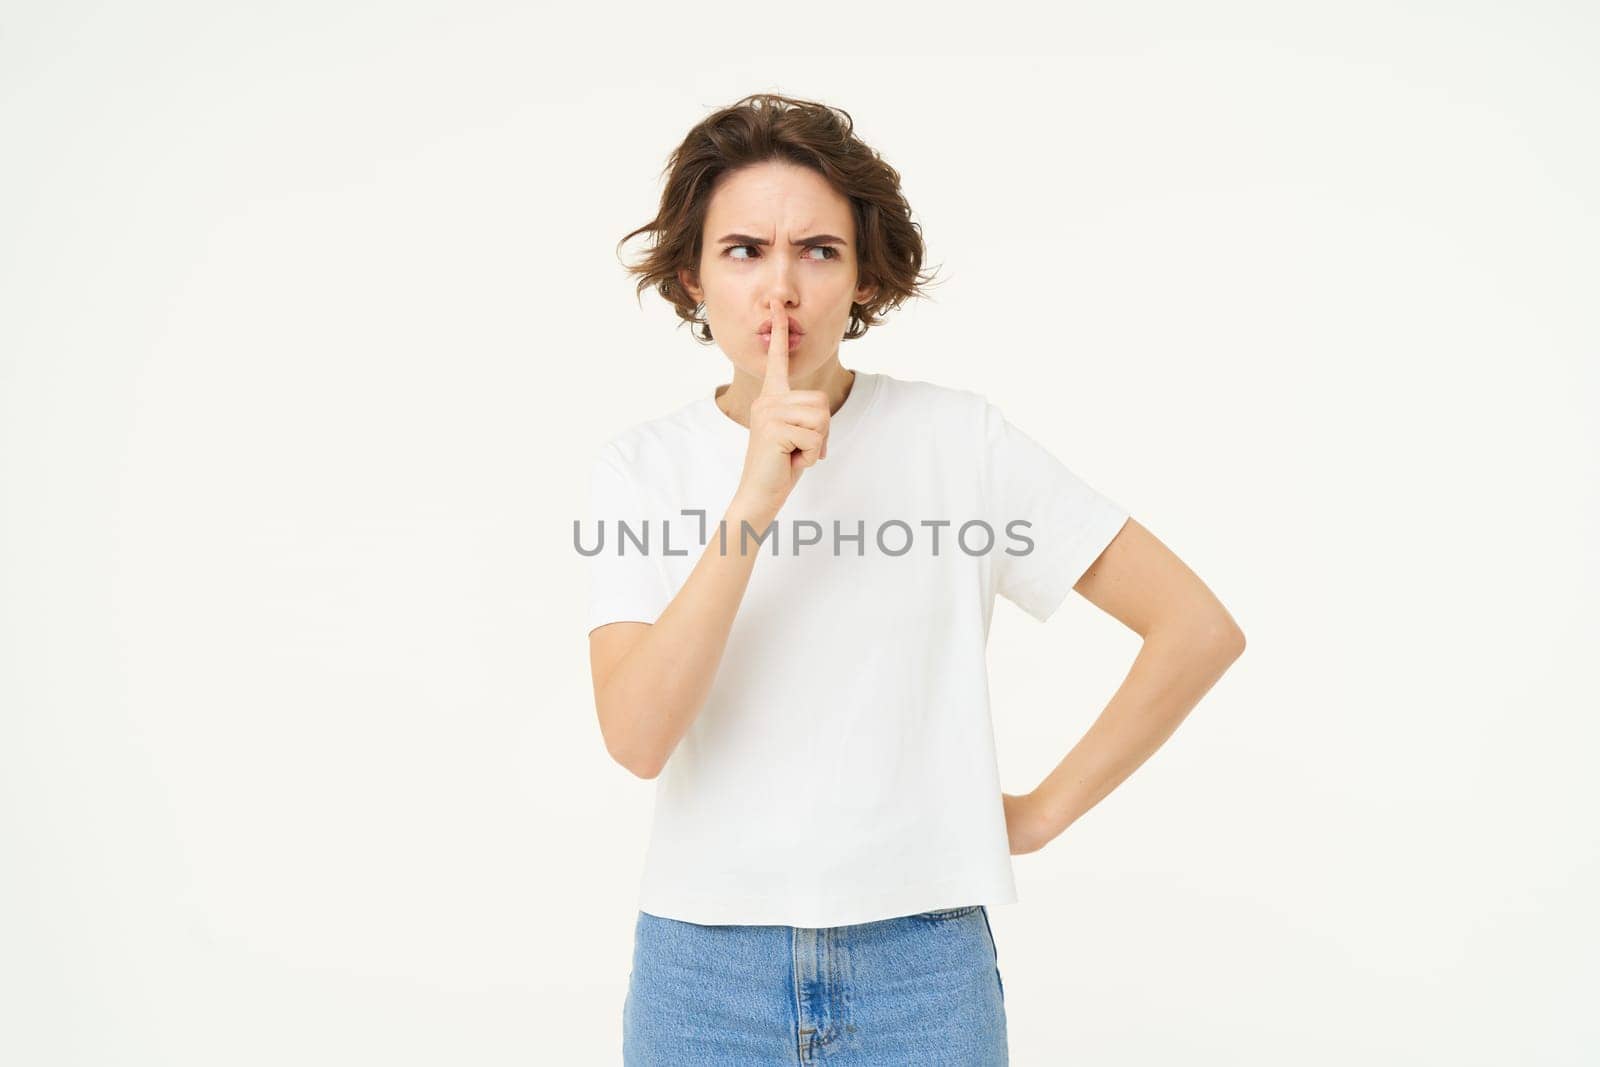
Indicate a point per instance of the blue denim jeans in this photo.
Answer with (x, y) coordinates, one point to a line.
(918, 989)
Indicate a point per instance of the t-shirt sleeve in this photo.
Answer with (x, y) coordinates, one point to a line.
(625, 583)
(1068, 522)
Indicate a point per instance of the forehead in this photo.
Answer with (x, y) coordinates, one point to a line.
(758, 197)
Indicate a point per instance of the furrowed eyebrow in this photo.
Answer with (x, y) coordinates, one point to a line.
(817, 239)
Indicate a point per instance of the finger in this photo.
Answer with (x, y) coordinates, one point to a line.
(800, 439)
(806, 457)
(809, 407)
(777, 379)
(810, 417)
(821, 449)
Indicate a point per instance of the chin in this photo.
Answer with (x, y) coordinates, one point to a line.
(756, 364)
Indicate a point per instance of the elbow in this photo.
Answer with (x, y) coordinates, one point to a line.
(1228, 640)
(1213, 635)
(637, 767)
(633, 762)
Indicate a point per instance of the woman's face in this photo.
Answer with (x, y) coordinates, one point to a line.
(750, 257)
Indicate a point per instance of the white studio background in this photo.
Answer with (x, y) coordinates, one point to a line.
(312, 316)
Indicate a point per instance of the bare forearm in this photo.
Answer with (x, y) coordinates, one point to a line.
(1175, 667)
(653, 695)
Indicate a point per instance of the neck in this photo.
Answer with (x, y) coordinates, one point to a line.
(831, 378)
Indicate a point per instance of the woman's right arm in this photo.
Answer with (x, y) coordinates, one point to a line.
(651, 679)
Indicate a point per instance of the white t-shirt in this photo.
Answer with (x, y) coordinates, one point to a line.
(842, 769)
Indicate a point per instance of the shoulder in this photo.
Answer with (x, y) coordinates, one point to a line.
(933, 400)
(654, 440)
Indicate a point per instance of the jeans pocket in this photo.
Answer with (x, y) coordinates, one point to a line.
(947, 913)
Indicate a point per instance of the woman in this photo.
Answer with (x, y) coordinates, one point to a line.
(789, 631)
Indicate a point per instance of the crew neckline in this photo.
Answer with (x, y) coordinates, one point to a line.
(863, 391)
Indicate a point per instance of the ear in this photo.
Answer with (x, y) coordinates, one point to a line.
(686, 281)
(865, 293)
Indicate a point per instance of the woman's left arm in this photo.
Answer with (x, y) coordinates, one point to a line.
(1189, 641)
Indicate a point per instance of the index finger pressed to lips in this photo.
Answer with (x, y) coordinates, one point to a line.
(777, 379)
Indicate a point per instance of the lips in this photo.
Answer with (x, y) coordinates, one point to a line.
(795, 329)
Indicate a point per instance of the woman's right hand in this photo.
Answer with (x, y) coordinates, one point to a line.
(788, 428)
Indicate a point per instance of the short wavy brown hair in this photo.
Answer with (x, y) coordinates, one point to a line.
(767, 127)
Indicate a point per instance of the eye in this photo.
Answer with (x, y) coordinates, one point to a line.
(833, 253)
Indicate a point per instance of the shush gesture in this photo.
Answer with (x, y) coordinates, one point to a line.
(788, 427)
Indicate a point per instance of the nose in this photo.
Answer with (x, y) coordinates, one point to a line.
(781, 284)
